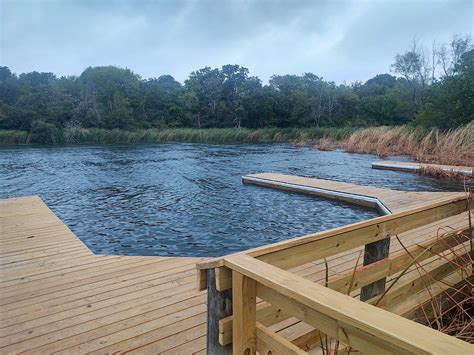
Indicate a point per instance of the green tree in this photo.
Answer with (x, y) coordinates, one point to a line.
(450, 102)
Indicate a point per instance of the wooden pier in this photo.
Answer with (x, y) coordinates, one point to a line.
(57, 296)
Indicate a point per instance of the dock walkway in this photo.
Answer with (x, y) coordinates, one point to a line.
(393, 200)
(57, 296)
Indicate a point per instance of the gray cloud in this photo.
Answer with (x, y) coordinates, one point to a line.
(341, 40)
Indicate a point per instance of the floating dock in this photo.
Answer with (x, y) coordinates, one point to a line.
(385, 200)
(415, 167)
(57, 296)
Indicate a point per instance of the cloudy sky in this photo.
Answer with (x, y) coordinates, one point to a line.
(340, 40)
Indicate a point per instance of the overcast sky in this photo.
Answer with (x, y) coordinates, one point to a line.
(340, 40)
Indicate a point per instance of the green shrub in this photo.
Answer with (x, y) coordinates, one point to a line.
(44, 133)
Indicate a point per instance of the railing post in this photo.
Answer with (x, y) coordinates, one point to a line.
(244, 331)
(219, 306)
(374, 252)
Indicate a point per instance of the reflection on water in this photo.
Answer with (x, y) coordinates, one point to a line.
(188, 199)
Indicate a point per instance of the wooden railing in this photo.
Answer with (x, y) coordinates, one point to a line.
(239, 279)
(356, 324)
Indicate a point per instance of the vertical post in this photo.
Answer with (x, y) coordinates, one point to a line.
(374, 252)
(244, 332)
(219, 306)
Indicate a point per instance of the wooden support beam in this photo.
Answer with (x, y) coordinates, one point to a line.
(244, 297)
(219, 306)
(223, 278)
(427, 296)
(422, 311)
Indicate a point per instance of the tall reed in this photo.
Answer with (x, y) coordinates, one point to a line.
(8, 137)
(210, 135)
(454, 147)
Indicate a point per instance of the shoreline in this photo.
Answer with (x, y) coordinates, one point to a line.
(454, 147)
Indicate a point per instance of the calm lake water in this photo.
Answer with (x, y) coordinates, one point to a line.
(188, 199)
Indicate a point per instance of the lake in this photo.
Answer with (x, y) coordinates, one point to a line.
(187, 199)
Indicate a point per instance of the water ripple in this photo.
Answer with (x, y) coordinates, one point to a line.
(188, 199)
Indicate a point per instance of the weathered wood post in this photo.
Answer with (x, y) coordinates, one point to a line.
(219, 306)
(374, 252)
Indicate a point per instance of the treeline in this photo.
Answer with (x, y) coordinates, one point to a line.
(435, 90)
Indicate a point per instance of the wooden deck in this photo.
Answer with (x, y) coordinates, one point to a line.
(414, 167)
(57, 296)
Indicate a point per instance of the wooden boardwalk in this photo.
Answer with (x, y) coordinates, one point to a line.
(57, 296)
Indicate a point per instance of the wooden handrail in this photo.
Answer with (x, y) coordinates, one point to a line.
(373, 229)
(298, 251)
(355, 323)
(455, 240)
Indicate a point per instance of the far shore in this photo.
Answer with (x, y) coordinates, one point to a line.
(454, 147)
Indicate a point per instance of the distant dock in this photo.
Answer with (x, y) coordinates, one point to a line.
(386, 201)
(415, 167)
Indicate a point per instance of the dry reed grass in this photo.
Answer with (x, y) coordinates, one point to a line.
(300, 143)
(454, 147)
(450, 311)
(325, 144)
(441, 173)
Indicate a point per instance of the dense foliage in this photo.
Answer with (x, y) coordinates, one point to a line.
(111, 97)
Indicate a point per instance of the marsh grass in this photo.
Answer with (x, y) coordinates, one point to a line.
(453, 147)
(8, 137)
(325, 144)
(192, 135)
(451, 311)
(441, 173)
